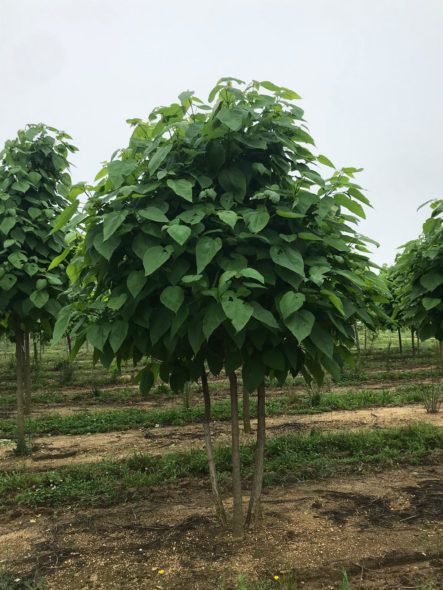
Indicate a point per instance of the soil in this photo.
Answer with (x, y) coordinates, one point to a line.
(384, 529)
(59, 450)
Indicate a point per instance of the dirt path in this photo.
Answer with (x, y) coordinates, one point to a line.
(56, 451)
(384, 529)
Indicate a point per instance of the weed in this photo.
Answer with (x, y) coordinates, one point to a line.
(432, 395)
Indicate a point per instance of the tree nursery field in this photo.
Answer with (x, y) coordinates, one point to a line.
(206, 383)
(116, 491)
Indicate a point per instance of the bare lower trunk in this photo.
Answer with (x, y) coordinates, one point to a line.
(441, 356)
(246, 412)
(418, 341)
(68, 346)
(27, 374)
(237, 520)
(257, 481)
(221, 514)
(34, 342)
(366, 338)
(400, 345)
(413, 341)
(19, 358)
(357, 339)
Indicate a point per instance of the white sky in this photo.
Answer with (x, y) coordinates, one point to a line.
(370, 73)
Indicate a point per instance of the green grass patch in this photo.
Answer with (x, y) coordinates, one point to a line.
(288, 458)
(127, 418)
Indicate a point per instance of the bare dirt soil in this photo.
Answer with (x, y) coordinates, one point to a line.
(58, 450)
(384, 529)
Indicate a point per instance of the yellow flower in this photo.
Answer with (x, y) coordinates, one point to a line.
(161, 571)
(276, 577)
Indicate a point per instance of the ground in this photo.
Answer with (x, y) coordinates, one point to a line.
(383, 525)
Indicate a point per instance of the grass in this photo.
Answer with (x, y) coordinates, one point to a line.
(288, 458)
(127, 418)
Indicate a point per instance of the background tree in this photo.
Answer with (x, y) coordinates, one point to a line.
(420, 270)
(34, 186)
(213, 241)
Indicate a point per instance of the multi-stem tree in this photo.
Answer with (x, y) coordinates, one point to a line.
(34, 185)
(420, 277)
(213, 241)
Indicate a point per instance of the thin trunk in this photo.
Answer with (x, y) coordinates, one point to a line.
(27, 374)
(68, 345)
(246, 412)
(418, 340)
(220, 509)
(19, 354)
(34, 341)
(357, 339)
(257, 481)
(366, 338)
(400, 346)
(413, 341)
(441, 356)
(237, 520)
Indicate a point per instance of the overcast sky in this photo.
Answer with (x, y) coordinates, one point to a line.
(370, 73)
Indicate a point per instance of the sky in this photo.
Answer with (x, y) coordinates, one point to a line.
(370, 74)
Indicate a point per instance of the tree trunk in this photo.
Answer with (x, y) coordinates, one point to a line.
(19, 354)
(257, 481)
(34, 341)
(27, 375)
(246, 412)
(237, 520)
(441, 356)
(220, 509)
(68, 346)
(366, 338)
(400, 346)
(357, 339)
(418, 340)
(413, 341)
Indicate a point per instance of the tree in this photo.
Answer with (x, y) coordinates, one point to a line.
(213, 241)
(34, 186)
(420, 270)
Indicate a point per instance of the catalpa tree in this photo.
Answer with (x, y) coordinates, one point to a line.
(213, 240)
(419, 269)
(34, 184)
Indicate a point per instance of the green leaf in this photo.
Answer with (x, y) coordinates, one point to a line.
(231, 117)
(213, 317)
(263, 315)
(431, 280)
(159, 156)
(61, 325)
(300, 324)
(39, 298)
(325, 161)
(7, 282)
(205, 251)
(17, 259)
(288, 257)
(334, 299)
(118, 334)
(97, 334)
(62, 219)
(228, 217)
(7, 224)
(21, 185)
(34, 212)
(322, 340)
(172, 298)
(179, 233)
(251, 273)
(154, 214)
(253, 373)
(53, 264)
(345, 201)
(430, 302)
(236, 310)
(147, 380)
(106, 249)
(117, 302)
(291, 302)
(118, 170)
(136, 281)
(182, 188)
(233, 361)
(155, 257)
(111, 222)
(256, 220)
(31, 268)
(41, 284)
(274, 358)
